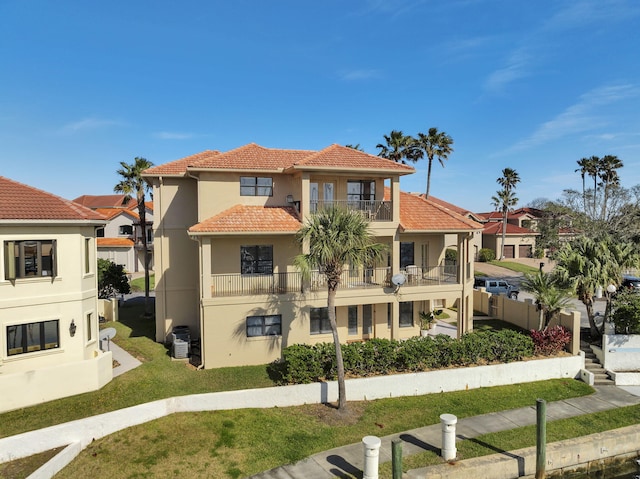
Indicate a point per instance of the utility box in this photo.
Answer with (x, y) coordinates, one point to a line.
(180, 342)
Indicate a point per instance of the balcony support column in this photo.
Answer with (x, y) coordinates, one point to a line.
(205, 267)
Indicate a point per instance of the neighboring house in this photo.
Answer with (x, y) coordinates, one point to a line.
(49, 345)
(120, 240)
(225, 243)
(519, 242)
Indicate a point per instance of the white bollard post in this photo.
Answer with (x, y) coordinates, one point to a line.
(371, 453)
(448, 423)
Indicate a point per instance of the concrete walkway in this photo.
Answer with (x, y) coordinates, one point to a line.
(125, 362)
(349, 460)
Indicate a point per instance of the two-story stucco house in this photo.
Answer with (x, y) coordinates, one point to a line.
(120, 240)
(225, 242)
(49, 345)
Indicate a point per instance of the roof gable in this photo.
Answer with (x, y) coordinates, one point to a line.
(103, 201)
(495, 228)
(21, 202)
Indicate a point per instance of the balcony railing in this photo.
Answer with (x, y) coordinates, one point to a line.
(373, 210)
(236, 284)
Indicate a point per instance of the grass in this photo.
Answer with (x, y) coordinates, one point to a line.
(495, 325)
(526, 437)
(231, 444)
(517, 267)
(137, 284)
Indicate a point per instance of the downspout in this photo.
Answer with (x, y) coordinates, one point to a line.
(162, 238)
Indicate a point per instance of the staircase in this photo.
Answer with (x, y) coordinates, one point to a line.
(592, 364)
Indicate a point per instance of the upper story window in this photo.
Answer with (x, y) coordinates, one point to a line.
(125, 230)
(361, 190)
(256, 259)
(256, 186)
(100, 233)
(26, 259)
(407, 256)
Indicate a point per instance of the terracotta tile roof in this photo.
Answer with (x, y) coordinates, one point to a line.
(179, 167)
(495, 228)
(117, 242)
(21, 202)
(110, 213)
(256, 157)
(251, 219)
(134, 204)
(102, 201)
(418, 214)
(342, 157)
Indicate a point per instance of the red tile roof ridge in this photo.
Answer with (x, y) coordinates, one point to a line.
(495, 227)
(179, 167)
(19, 201)
(251, 219)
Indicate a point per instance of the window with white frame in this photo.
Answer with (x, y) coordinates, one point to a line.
(30, 337)
(125, 230)
(266, 325)
(256, 186)
(30, 258)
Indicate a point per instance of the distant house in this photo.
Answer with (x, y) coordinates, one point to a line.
(120, 240)
(519, 242)
(49, 346)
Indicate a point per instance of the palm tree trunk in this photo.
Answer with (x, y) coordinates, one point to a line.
(429, 177)
(504, 233)
(593, 328)
(142, 212)
(342, 393)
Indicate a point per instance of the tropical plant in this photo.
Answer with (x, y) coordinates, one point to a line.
(354, 147)
(626, 311)
(112, 279)
(427, 318)
(132, 184)
(552, 296)
(434, 144)
(586, 264)
(398, 147)
(333, 238)
(589, 166)
(607, 173)
(505, 199)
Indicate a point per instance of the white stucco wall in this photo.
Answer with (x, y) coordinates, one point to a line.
(621, 352)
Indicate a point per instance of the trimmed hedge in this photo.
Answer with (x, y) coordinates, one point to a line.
(486, 255)
(303, 364)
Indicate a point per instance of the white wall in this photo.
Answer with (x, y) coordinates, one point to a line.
(621, 352)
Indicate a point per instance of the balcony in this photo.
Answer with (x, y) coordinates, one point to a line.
(236, 284)
(373, 210)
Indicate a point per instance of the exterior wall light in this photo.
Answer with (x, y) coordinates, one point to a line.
(72, 328)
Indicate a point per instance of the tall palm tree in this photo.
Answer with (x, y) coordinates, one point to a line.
(588, 166)
(336, 237)
(435, 144)
(607, 166)
(505, 199)
(132, 184)
(551, 296)
(354, 147)
(398, 147)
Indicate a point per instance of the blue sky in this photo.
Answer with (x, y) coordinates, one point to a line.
(533, 86)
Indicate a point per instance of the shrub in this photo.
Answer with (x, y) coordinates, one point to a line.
(550, 341)
(626, 312)
(451, 254)
(485, 255)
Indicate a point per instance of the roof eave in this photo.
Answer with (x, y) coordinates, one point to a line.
(26, 222)
(342, 169)
(240, 233)
(235, 170)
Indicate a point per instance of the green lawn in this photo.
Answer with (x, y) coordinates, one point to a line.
(137, 284)
(517, 267)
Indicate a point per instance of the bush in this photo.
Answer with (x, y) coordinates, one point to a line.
(626, 312)
(550, 341)
(112, 279)
(485, 255)
(304, 364)
(451, 254)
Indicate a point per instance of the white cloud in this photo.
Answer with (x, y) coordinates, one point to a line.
(172, 135)
(581, 117)
(356, 75)
(516, 67)
(89, 124)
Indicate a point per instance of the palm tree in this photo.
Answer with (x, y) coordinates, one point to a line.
(398, 147)
(588, 166)
(434, 144)
(132, 183)
(607, 166)
(355, 147)
(505, 199)
(336, 237)
(551, 296)
(586, 264)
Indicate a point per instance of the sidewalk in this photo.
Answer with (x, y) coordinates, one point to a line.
(349, 459)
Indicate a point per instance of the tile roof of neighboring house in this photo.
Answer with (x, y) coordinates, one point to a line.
(111, 213)
(258, 158)
(418, 214)
(115, 242)
(495, 228)
(103, 201)
(21, 202)
(251, 219)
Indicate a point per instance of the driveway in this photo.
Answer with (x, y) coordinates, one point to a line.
(516, 278)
